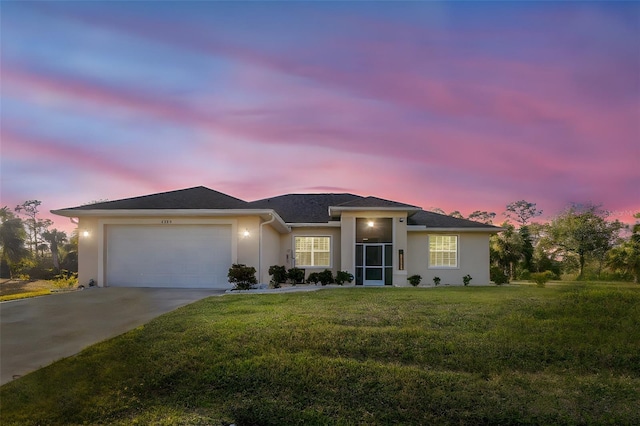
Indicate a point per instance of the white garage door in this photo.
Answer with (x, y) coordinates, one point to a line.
(192, 256)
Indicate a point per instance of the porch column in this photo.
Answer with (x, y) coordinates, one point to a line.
(399, 243)
(347, 243)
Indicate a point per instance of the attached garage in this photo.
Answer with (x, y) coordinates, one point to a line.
(191, 256)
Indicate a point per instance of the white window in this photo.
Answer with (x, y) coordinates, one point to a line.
(313, 251)
(443, 251)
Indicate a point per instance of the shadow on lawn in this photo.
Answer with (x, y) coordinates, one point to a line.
(9, 287)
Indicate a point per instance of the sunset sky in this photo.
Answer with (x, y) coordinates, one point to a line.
(458, 105)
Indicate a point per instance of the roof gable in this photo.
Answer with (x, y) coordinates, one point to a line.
(304, 208)
(198, 197)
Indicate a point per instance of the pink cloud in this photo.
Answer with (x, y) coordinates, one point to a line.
(96, 95)
(399, 84)
(16, 145)
(436, 145)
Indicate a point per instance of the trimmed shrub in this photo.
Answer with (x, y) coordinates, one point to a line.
(326, 277)
(278, 275)
(414, 280)
(466, 279)
(344, 276)
(498, 276)
(436, 281)
(242, 276)
(295, 276)
(313, 278)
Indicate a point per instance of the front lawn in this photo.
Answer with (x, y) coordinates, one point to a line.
(11, 289)
(564, 354)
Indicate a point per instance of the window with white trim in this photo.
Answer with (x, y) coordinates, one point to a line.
(443, 251)
(313, 251)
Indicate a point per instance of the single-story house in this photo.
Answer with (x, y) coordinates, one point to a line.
(190, 238)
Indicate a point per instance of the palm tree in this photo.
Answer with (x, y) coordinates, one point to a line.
(506, 249)
(55, 238)
(12, 237)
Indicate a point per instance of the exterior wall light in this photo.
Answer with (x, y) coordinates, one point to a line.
(246, 233)
(370, 224)
(85, 234)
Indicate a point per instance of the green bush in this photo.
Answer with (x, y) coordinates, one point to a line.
(498, 276)
(66, 280)
(295, 276)
(70, 261)
(344, 276)
(466, 279)
(541, 278)
(546, 264)
(326, 277)
(313, 278)
(436, 281)
(414, 280)
(525, 274)
(278, 275)
(34, 269)
(242, 276)
(42, 269)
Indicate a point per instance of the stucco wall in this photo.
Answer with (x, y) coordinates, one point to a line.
(248, 249)
(92, 244)
(287, 249)
(88, 239)
(270, 252)
(278, 249)
(473, 259)
(399, 243)
(348, 243)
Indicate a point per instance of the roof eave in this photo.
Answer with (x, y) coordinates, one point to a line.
(265, 214)
(416, 228)
(157, 212)
(332, 224)
(334, 210)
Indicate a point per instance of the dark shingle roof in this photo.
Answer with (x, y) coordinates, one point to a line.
(198, 197)
(436, 220)
(373, 202)
(304, 208)
(292, 208)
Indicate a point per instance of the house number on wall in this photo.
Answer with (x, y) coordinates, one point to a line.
(165, 221)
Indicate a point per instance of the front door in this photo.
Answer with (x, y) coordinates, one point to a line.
(373, 264)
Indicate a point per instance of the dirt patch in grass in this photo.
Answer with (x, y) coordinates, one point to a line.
(9, 287)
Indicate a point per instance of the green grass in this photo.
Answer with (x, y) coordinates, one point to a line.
(564, 354)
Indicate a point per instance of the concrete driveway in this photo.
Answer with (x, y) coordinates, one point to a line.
(38, 331)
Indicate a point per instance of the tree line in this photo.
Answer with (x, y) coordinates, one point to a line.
(29, 249)
(581, 242)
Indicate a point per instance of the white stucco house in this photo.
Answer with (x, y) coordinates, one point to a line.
(190, 238)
